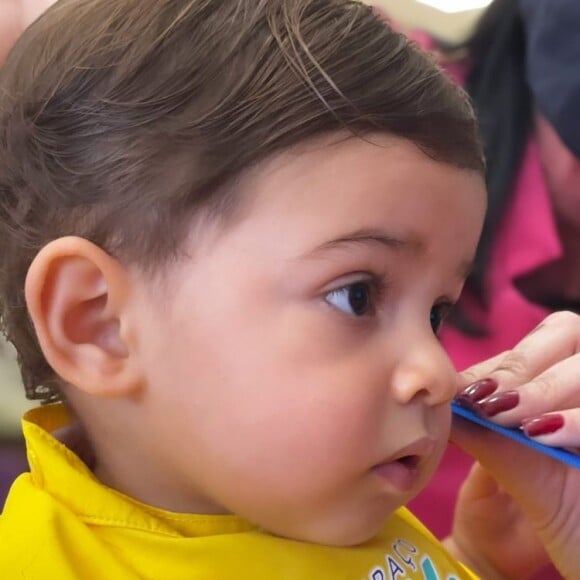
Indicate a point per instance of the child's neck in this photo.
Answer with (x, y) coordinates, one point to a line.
(133, 470)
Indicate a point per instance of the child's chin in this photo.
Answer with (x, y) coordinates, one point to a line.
(351, 538)
(345, 534)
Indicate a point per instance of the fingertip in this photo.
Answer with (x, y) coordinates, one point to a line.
(543, 425)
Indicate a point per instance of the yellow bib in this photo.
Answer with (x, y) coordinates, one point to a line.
(60, 522)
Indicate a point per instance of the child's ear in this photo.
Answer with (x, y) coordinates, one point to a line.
(77, 297)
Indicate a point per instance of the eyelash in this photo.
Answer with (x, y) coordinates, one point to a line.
(375, 288)
(444, 307)
(373, 285)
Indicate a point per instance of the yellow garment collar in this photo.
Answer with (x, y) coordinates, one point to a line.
(60, 472)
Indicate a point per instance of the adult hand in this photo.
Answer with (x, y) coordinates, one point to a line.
(491, 532)
(537, 386)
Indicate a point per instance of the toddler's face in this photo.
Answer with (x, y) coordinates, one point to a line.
(294, 375)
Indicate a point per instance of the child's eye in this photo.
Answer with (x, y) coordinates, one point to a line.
(355, 299)
(438, 314)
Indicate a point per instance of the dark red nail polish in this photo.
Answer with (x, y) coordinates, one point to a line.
(498, 403)
(542, 425)
(476, 392)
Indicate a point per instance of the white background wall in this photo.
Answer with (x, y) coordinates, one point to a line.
(451, 27)
(12, 401)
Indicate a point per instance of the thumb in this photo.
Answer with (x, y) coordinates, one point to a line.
(479, 484)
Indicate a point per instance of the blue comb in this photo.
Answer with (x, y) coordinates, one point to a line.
(518, 435)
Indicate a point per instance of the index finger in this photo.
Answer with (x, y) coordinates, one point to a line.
(482, 370)
(555, 339)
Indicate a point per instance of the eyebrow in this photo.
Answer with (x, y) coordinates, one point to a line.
(370, 236)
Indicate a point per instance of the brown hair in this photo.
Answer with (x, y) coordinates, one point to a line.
(119, 119)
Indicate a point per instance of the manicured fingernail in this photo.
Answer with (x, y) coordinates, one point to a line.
(542, 425)
(475, 392)
(498, 403)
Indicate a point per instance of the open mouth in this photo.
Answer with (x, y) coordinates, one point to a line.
(404, 471)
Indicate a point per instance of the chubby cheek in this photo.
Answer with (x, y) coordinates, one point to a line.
(300, 436)
(271, 391)
(265, 409)
(248, 391)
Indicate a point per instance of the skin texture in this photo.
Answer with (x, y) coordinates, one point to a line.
(15, 16)
(11, 24)
(242, 380)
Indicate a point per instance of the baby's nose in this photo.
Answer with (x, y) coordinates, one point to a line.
(425, 371)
